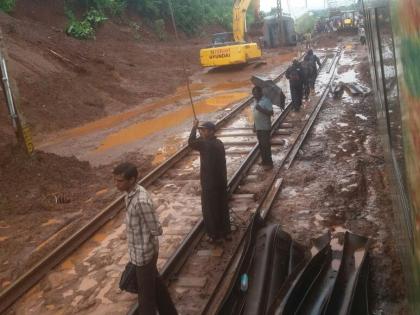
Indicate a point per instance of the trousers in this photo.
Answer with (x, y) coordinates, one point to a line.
(264, 142)
(153, 294)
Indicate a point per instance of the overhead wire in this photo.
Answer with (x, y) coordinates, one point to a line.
(186, 76)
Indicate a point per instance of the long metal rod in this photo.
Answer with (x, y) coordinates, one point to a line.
(8, 92)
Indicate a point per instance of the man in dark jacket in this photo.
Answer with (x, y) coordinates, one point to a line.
(295, 76)
(307, 71)
(313, 61)
(213, 177)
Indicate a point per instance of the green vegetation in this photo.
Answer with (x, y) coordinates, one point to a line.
(85, 28)
(305, 23)
(190, 15)
(7, 5)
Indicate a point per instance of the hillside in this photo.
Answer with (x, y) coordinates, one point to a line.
(64, 82)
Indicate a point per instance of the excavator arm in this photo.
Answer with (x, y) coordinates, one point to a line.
(239, 19)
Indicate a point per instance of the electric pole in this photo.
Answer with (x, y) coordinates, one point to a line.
(279, 18)
(11, 94)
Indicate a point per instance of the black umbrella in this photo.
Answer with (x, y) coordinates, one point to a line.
(270, 90)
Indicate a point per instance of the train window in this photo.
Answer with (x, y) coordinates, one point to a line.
(390, 87)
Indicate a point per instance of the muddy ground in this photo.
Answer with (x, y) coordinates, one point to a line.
(338, 183)
(65, 83)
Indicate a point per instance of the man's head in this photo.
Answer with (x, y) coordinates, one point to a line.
(257, 92)
(310, 52)
(207, 129)
(125, 176)
(295, 62)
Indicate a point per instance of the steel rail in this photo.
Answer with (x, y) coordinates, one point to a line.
(13, 292)
(309, 123)
(178, 259)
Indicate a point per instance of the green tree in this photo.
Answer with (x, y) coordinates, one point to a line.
(7, 5)
(305, 23)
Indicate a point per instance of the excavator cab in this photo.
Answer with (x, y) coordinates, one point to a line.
(222, 39)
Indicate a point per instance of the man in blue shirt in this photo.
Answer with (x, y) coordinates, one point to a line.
(263, 110)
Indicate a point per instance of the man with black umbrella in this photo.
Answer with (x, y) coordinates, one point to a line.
(296, 78)
(214, 202)
(263, 110)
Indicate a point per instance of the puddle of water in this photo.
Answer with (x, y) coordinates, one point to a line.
(348, 76)
(172, 145)
(110, 121)
(335, 244)
(346, 60)
(99, 237)
(68, 293)
(4, 226)
(67, 265)
(50, 222)
(105, 290)
(362, 117)
(231, 85)
(87, 283)
(101, 192)
(140, 130)
(339, 229)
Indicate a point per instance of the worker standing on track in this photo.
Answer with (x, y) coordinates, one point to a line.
(295, 76)
(143, 230)
(263, 110)
(214, 201)
(308, 40)
(313, 61)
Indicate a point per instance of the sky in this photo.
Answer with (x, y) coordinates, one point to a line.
(294, 7)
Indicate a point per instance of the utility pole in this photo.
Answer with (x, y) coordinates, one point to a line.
(11, 94)
(279, 18)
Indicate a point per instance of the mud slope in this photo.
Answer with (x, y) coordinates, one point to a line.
(64, 82)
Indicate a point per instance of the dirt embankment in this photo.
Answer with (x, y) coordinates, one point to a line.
(64, 82)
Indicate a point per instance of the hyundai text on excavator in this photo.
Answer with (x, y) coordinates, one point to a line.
(231, 48)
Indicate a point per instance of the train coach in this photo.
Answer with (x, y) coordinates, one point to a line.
(393, 36)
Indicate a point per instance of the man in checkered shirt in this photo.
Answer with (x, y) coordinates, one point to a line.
(143, 230)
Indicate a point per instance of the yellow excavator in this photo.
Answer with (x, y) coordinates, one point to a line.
(231, 48)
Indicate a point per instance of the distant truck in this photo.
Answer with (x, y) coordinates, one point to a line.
(349, 20)
(275, 36)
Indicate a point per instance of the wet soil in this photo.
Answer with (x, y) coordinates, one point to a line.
(338, 183)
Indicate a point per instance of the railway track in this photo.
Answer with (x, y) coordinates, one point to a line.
(103, 234)
(198, 275)
(182, 160)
